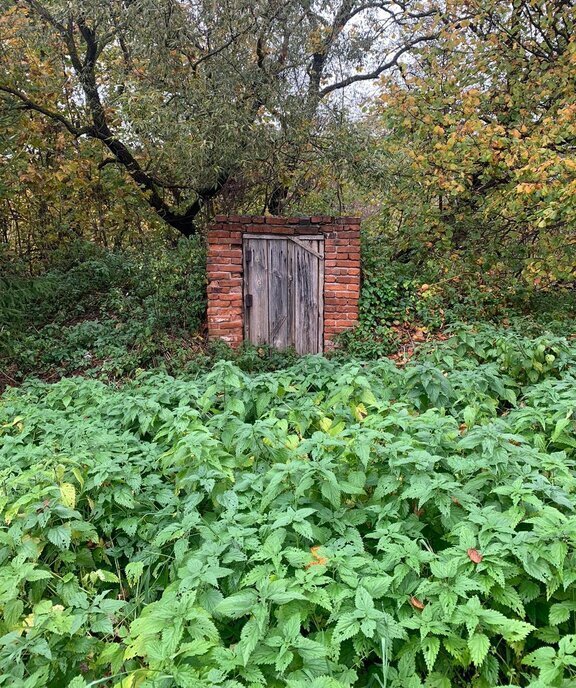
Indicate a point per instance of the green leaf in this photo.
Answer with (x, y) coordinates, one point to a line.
(436, 680)
(249, 639)
(133, 572)
(346, 627)
(105, 576)
(238, 604)
(77, 682)
(478, 644)
(515, 631)
(59, 536)
(430, 647)
(539, 657)
(38, 574)
(363, 601)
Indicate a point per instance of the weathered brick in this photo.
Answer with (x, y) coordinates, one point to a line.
(217, 273)
(280, 229)
(347, 233)
(346, 269)
(229, 322)
(346, 243)
(232, 284)
(337, 301)
(230, 253)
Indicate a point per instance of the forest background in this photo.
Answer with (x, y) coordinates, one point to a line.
(450, 127)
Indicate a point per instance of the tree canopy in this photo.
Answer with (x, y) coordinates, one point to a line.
(486, 122)
(450, 126)
(184, 95)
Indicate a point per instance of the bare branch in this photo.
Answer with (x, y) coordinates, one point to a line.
(374, 74)
(342, 17)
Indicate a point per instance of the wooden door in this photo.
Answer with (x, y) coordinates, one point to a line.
(283, 291)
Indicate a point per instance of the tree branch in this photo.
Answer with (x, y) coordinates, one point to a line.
(29, 104)
(392, 62)
(342, 17)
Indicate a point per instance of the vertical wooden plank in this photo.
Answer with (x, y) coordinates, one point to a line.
(291, 295)
(320, 249)
(306, 301)
(246, 295)
(278, 305)
(256, 290)
(314, 267)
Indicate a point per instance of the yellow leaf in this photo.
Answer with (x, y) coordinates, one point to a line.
(68, 495)
(292, 441)
(133, 680)
(360, 412)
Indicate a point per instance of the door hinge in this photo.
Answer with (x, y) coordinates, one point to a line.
(248, 301)
(248, 253)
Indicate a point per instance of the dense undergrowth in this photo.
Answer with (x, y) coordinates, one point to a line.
(108, 315)
(327, 525)
(102, 313)
(407, 299)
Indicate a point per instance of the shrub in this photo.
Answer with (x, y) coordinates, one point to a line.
(409, 292)
(328, 525)
(105, 313)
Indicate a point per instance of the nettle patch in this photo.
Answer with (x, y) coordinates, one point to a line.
(324, 526)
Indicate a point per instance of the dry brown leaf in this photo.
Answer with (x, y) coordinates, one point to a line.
(474, 555)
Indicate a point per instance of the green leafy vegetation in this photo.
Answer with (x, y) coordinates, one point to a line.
(103, 313)
(402, 304)
(175, 514)
(329, 524)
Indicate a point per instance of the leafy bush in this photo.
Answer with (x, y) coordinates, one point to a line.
(250, 358)
(327, 525)
(367, 342)
(104, 313)
(410, 291)
(525, 359)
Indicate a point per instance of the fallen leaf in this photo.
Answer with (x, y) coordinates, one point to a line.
(416, 603)
(319, 560)
(474, 555)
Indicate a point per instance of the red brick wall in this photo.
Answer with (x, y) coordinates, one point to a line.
(341, 270)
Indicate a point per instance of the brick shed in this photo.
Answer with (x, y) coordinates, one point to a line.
(283, 281)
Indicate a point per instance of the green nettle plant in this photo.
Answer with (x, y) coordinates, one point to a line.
(324, 526)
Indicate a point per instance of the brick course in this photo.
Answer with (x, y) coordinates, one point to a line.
(225, 281)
